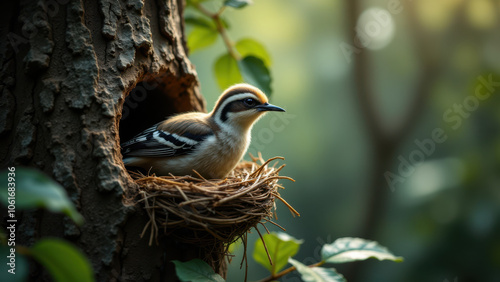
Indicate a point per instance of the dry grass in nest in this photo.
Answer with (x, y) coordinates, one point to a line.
(207, 212)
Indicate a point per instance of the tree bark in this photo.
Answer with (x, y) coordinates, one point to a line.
(67, 67)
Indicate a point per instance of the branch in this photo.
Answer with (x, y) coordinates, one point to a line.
(364, 88)
(220, 28)
(428, 73)
(363, 85)
(384, 142)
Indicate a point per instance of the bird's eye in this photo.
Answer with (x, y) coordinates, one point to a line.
(249, 102)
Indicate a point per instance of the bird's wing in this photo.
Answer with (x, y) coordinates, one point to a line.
(174, 137)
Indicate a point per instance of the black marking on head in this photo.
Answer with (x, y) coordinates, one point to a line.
(227, 108)
(240, 89)
(230, 94)
(241, 105)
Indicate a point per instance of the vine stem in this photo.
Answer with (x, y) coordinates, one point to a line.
(288, 270)
(220, 29)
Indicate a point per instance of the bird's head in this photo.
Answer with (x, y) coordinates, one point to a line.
(241, 105)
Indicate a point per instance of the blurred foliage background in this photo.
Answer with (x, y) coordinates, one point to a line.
(354, 120)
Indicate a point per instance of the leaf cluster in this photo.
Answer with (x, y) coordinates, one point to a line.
(275, 251)
(34, 189)
(247, 60)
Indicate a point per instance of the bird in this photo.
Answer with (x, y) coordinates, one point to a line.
(211, 144)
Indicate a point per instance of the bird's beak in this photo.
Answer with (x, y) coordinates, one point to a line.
(268, 107)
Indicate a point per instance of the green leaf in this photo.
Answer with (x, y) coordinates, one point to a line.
(34, 189)
(237, 3)
(255, 72)
(234, 246)
(196, 270)
(20, 271)
(226, 71)
(63, 260)
(201, 37)
(225, 23)
(354, 249)
(199, 21)
(250, 47)
(194, 2)
(317, 274)
(281, 247)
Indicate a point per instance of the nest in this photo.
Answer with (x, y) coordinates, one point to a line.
(204, 212)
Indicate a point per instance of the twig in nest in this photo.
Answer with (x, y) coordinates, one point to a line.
(294, 212)
(258, 171)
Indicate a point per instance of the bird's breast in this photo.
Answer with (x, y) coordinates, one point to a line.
(223, 153)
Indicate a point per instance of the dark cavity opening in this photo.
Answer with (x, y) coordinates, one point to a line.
(148, 103)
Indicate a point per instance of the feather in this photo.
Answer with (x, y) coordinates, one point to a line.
(188, 124)
(178, 135)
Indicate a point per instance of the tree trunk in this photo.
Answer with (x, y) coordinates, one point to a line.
(67, 67)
